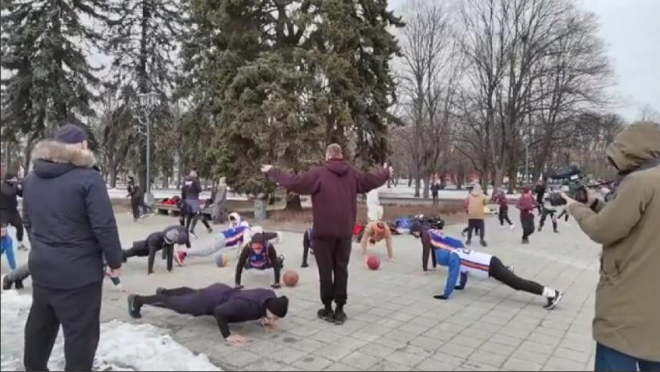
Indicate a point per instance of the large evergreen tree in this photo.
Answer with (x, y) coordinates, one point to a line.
(274, 81)
(44, 53)
(143, 40)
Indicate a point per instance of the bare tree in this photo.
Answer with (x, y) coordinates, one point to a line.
(428, 79)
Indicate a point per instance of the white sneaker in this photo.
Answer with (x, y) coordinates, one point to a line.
(512, 227)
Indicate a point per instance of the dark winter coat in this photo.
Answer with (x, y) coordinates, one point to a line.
(334, 188)
(9, 193)
(69, 217)
(191, 188)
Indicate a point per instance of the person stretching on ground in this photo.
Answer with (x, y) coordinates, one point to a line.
(260, 254)
(375, 232)
(225, 304)
(238, 232)
(451, 253)
(154, 243)
(308, 245)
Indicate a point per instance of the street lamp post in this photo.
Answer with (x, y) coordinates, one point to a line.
(147, 103)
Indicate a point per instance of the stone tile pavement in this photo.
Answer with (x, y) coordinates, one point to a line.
(394, 322)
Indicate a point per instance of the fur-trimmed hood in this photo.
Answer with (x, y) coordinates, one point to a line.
(52, 158)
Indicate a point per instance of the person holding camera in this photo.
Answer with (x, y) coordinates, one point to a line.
(626, 326)
(10, 189)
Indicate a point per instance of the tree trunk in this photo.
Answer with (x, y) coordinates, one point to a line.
(513, 179)
(427, 186)
(410, 180)
(113, 176)
(293, 202)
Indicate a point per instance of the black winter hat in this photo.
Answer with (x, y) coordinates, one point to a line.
(279, 306)
(71, 134)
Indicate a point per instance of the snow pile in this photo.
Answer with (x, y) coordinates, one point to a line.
(123, 346)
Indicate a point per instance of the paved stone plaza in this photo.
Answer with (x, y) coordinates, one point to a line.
(394, 322)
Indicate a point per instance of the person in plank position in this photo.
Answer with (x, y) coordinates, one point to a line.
(154, 243)
(238, 232)
(463, 262)
(227, 305)
(260, 254)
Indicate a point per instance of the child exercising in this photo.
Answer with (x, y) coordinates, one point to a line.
(260, 254)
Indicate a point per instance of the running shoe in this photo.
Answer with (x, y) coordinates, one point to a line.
(18, 284)
(484, 244)
(193, 235)
(512, 227)
(22, 247)
(553, 302)
(160, 290)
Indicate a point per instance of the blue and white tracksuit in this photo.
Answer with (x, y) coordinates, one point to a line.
(228, 239)
(451, 252)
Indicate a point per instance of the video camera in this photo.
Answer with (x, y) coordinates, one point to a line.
(569, 181)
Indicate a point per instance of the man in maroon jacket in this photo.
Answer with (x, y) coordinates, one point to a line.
(334, 188)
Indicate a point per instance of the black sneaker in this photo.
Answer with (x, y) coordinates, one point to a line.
(210, 230)
(557, 231)
(18, 284)
(22, 247)
(340, 317)
(160, 290)
(304, 265)
(484, 244)
(133, 308)
(6, 283)
(525, 241)
(553, 302)
(468, 242)
(327, 315)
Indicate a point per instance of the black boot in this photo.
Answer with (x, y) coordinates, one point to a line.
(6, 283)
(18, 284)
(326, 313)
(340, 315)
(134, 307)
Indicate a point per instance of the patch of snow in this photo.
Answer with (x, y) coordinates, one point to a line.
(122, 347)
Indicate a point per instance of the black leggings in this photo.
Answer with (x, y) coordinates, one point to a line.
(307, 244)
(527, 222)
(183, 300)
(502, 273)
(474, 224)
(504, 215)
(427, 250)
(191, 221)
(546, 213)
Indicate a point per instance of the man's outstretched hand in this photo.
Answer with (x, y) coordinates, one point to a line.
(266, 167)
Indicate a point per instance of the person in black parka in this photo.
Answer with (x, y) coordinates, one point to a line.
(73, 232)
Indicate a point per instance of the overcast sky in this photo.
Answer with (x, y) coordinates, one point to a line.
(631, 31)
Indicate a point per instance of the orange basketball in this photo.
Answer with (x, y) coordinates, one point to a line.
(291, 278)
(373, 262)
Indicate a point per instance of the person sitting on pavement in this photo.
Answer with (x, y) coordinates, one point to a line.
(463, 262)
(374, 232)
(260, 254)
(227, 305)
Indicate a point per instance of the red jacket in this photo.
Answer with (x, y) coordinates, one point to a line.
(526, 204)
(334, 188)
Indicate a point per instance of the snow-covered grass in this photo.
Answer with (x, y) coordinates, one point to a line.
(123, 346)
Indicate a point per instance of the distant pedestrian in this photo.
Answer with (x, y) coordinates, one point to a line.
(476, 202)
(539, 190)
(10, 189)
(72, 231)
(334, 188)
(526, 204)
(499, 197)
(435, 191)
(190, 191)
